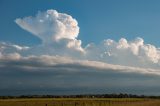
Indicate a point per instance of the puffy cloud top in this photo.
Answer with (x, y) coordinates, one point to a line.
(53, 28)
(50, 26)
(59, 32)
(129, 53)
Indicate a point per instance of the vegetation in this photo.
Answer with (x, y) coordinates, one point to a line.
(82, 96)
(80, 102)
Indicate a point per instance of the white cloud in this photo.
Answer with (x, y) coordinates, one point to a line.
(10, 56)
(53, 28)
(59, 32)
(20, 47)
(128, 53)
(47, 62)
(9, 48)
(50, 25)
(61, 62)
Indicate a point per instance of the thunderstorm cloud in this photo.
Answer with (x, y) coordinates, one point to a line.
(61, 62)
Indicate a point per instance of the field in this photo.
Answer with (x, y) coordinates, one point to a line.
(80, 102)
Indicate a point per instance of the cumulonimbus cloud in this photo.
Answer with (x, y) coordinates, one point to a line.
(54, 29)
(61, 58)
(50, 26)
(59, 32)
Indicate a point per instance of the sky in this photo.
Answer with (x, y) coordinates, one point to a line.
(79, 47)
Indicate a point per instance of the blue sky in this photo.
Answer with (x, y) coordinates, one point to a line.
(77, 47)
(98, 20)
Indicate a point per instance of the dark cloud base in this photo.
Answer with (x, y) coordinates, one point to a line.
(73, 79)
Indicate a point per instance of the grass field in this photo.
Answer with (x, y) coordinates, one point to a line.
(80, 102)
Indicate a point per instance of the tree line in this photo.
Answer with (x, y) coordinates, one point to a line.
(121, 95)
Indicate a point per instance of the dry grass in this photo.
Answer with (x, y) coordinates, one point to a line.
(81, 102)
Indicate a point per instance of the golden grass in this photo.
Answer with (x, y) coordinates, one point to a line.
(80, 102)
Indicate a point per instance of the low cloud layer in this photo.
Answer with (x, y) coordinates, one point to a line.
(60, 61)
(63, 75)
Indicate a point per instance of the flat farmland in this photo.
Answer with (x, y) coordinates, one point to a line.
(80, 102)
